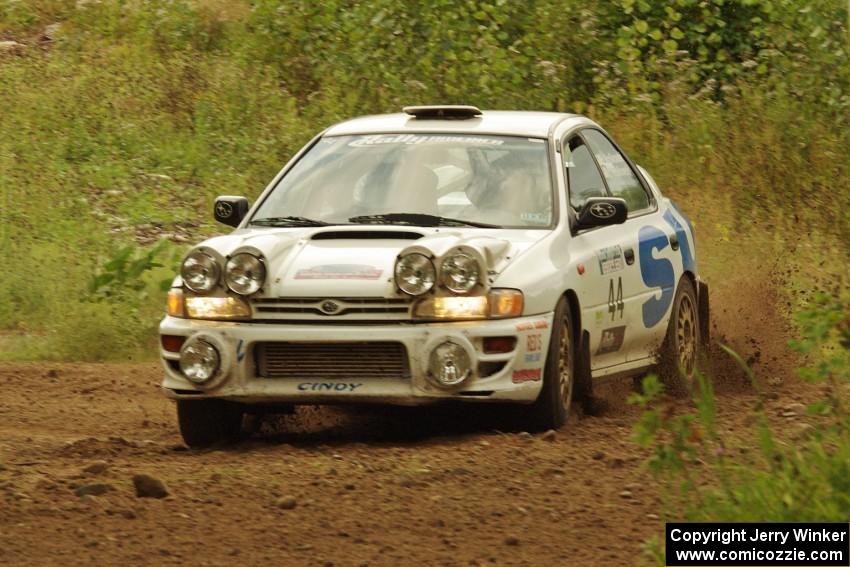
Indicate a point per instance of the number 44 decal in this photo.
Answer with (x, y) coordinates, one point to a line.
(615, 303)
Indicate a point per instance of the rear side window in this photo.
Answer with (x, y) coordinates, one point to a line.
(622, 181)
(582, 174)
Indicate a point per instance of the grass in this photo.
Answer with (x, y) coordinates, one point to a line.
(129, 119)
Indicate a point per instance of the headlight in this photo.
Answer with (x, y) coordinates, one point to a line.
(460, 272)
(200, 272)
(199, 361)
(498, 304)
(415, 274)
(245, 273)
(217, 308)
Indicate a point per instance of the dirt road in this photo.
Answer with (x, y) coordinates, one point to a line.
(322, 487)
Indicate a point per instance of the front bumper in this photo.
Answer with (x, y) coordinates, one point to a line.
(518, 380)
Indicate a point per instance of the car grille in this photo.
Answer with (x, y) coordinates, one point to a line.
(343, 309)
(348, 360)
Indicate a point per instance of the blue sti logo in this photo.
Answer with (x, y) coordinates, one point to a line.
(659, 272)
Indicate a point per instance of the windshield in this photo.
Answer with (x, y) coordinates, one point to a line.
(484, 180)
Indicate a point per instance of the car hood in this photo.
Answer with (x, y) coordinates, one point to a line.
(358, 261)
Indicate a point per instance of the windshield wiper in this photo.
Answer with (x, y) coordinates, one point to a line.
(417, 219)
(288, 221)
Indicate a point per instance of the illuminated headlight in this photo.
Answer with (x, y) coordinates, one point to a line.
(460, 272)
(200, 272)
(216, 308)
(245, 274)
(199, 361)
(415, 274)
(498, 304)
(449, 364)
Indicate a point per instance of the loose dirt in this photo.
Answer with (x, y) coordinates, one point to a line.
(323, 487)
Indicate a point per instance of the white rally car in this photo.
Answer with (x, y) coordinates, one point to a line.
(441, 254)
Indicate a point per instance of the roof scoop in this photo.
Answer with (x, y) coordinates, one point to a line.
(445, 112)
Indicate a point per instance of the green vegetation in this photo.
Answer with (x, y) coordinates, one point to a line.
(806, 480)
(123, 118)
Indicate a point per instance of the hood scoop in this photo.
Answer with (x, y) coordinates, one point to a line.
(367, 235)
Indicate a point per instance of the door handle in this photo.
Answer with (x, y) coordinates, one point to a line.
(674, 241)
(629, 253)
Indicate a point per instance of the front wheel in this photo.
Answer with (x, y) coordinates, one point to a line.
(207, 422)
(681, 347)
(552, 407)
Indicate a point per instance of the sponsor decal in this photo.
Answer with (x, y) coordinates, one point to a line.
(240, 351)
(612, 340)
(415, 139)
(656, 273)
(531, 326)
(527, 375)
(532, 343)
(610, 259)
(659, 272)
(328, 386)
(339, 272)
(534, 357)
(539, 218)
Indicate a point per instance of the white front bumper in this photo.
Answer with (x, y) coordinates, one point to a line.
(519, 381)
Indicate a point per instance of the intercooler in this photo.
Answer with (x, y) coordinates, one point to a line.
(342, 360)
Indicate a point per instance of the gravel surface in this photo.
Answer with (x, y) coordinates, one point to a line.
(93, 471)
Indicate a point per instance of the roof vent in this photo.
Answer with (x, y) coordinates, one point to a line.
(445, 112)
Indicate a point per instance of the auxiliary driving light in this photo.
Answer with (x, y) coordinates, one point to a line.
(415, 274)
(449, 364)
(200, 272)
(199, 361)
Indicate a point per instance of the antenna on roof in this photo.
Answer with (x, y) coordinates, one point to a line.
(447, 111)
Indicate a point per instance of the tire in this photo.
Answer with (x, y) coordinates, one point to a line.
(682, 345)
(207, 422)
(551, 409)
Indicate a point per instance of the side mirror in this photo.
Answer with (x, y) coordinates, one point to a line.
(602, 211)
(230, 210)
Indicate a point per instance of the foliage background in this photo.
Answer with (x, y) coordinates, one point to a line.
(122, 119)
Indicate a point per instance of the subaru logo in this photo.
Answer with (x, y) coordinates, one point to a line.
(223, 209)
(330, 307)
(603, 210)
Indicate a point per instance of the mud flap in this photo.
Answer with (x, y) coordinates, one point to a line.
(704, 315)
(583, 386)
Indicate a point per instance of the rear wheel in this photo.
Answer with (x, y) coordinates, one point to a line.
(682, 344)
(552, 407)
(207, 422)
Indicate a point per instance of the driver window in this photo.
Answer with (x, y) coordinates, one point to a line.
(583, 176)
(622, 181)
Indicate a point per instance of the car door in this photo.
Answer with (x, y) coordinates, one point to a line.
(604, 259)
(650, 247)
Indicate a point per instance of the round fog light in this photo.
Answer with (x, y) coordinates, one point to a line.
(449, 364)
(199, 361)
